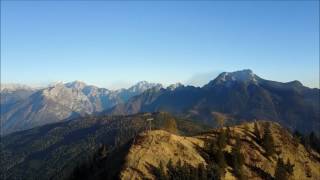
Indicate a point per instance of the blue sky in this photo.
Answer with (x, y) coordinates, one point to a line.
(114, 44)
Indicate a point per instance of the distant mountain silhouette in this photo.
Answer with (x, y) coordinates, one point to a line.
(238, 95)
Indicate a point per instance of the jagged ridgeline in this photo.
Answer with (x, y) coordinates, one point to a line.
(53, 151)
(261, 150)
(23, 107)
(239, 96)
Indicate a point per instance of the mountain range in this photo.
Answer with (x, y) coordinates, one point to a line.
(79, 131)
(23, 107)
(232, 96)
(235, 96)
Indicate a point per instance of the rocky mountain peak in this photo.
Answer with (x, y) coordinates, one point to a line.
(295, 83)
(174, 86)
(143, 85)
(246, 76)
(76, 84)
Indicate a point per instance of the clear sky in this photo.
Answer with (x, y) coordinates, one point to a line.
(113, 44)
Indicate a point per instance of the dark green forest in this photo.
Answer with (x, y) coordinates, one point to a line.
(53, 151)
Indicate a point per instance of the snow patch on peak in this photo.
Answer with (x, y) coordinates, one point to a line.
(244, 76)
(228, 78)
(76, 84)
(143, 85)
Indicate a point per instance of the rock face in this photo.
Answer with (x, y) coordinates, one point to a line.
(239, 95)
(26, 108)
(151, 148)
(137, 89)
(227, 78)
(13, 93)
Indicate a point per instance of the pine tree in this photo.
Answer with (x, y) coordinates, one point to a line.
(306, 143)
(179, 170)
(202, 173)
(160, 173)
(297, 137)
(214, 171)
(222, 139)
(289, 167)
(283, 170)
(268, 142)
(238, 159)
(280, 172)
(171, 170)
(216, 157)
(221, 159)
(314, 142)
(257, 131)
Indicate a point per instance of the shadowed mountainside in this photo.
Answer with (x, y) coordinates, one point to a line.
(239, 95)
(53, 151)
